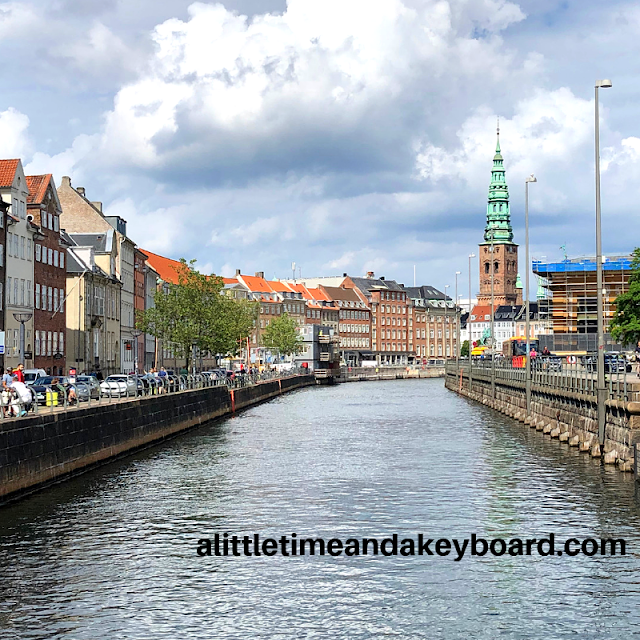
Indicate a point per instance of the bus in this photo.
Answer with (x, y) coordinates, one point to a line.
(516, 349)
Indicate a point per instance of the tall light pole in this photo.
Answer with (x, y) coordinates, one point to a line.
(471, 255)
(531, 178)
(493, 342)
(22, 318)
(136, 333)
(457, 324)
(446, 318)
(600, 383)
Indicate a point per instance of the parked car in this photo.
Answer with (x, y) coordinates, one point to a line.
(42, 385)
(30, 375)
(119, 384)
(613, 363)
(92, 383)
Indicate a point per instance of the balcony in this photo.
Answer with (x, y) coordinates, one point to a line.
(325, 357)
(324, 339)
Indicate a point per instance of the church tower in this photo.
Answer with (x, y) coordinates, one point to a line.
(498, 252)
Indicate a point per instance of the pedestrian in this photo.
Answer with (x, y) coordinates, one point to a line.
(7, 391)
(546, 352)
(99, 373)
(23, 397)
(19, 372)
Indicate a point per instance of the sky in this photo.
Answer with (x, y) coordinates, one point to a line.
(342, 135)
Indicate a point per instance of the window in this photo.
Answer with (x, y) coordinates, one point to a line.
(9, 279)
(55, 258)
(9, 243)
(29, 293)
(49, 256)
(37, 296)
(1, 250)
(29, 249)
(62, 299)
(62, 259)
(55, 299)
(15, 291)
(61, 341)
(49, 340)
(50, 298)
(50, 217)
(38, 252)
(55, 342)
(23, 247)
(37, 343)
(56, 223)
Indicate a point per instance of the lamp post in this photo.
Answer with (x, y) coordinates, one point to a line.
(493, 354)
(600, 383)
(136, 333)
(457, 324)
(22, 318)
(446, 318)
(471, 255)
(531, 178)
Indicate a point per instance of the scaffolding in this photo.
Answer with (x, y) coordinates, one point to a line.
(571, 295)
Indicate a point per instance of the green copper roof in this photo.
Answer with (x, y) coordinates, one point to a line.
(518, 282)
(498, 216)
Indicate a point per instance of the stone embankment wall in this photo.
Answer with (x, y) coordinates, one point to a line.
(40, 449)
(568, 416)
(355, 374)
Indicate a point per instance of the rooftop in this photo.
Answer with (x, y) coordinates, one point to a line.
(8, 172)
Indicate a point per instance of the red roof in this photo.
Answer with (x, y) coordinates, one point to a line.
(37, 186)
(8, 172)
(255, 284)
(166, 268)
(230, 280)
(480, 311)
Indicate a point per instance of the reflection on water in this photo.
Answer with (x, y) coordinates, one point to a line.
(111, 554)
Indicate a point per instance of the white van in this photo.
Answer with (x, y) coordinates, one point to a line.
(30, 375)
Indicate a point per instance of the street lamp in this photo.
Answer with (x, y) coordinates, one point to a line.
(136, 333)
(531, 178)
(22, 318)
(457, 324)
(471, 255)
(446, 319)
(600, 383)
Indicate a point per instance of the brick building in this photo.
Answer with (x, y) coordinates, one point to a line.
(139, 304)
(354, 323)
(50, 276)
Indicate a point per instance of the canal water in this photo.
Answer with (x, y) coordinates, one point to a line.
(112, 554)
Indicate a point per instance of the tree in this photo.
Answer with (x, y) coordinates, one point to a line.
(464, 349)
(281, 334)
(194, 314)
(625, 325)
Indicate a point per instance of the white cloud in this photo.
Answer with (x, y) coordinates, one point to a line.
(14, 139)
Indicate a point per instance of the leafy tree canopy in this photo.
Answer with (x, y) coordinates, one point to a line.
(194, 313)
(281, 334)
(625, 325)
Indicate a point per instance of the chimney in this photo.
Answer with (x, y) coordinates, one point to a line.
(381, 277)
(66, 181)
(344, 275)
(259, 274)
(370, 274)
(238, 272)
(97, 205)
(80, 190)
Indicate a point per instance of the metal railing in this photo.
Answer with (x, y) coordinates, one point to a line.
(51, 398)
(556, 373)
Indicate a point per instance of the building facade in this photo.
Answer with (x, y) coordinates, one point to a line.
(93, 307)
(20, 232)
(50, 276)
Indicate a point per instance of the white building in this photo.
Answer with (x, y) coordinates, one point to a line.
(19, 263)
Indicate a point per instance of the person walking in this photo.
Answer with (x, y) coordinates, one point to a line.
(19, 372)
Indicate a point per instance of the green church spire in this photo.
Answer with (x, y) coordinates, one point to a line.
(498, 218)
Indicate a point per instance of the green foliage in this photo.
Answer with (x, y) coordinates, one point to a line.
(281, 334)
(625, 325)
(464, 349)
(195, 313)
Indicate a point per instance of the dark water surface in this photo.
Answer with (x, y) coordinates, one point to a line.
(111, 554)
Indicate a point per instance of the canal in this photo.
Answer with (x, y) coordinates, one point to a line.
(112, 554)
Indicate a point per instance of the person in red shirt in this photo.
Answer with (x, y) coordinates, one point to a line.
(19, 372)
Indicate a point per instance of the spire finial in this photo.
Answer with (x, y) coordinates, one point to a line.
(498, 127)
